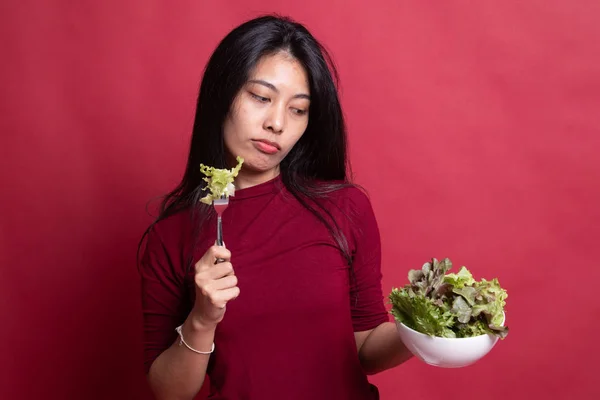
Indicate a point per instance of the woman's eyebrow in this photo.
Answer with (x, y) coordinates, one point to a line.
(273, 88)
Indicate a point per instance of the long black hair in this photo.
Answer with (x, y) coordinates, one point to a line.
(315, 167)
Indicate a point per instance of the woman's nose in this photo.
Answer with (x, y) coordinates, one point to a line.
(275, 120)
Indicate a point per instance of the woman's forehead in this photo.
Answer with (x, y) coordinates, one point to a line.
(280, 70)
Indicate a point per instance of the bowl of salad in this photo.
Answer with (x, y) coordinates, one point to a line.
(449, 320)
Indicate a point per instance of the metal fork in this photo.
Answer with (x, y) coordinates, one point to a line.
(220, 206)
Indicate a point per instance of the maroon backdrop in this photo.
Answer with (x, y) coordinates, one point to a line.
(474, 125)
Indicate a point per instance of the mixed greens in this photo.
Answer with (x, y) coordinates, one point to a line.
(450, 305)
(220, 181)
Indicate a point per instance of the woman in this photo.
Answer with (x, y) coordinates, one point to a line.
(296, 310)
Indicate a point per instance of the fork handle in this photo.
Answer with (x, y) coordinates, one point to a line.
(219, 237)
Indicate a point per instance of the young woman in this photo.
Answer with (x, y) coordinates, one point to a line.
(296, 310)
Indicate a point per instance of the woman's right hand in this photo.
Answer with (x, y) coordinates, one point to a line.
(216, 285)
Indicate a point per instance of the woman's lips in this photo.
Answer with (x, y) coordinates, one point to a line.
(266, 146)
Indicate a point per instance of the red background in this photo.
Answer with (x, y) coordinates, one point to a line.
(475, 126)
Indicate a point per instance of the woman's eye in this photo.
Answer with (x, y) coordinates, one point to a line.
(298, 111)
(259, 98)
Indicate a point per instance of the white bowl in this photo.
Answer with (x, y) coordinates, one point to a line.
(446, 352)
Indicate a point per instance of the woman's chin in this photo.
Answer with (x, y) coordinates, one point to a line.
(259, 166)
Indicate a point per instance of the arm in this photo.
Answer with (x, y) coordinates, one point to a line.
(173, 371)
(380, 349)
(178, 373)
(378, 342)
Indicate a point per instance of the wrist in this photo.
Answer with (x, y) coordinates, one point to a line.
(196, 324)
(197, 335)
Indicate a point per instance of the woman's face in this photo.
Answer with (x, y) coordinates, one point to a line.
(268, 117)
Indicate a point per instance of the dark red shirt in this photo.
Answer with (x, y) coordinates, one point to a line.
(290, 333)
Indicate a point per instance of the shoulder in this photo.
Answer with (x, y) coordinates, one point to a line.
(350, 206)
(166, 247)
(353, 212)
(351, 197)
(173, 223)
(171, 231)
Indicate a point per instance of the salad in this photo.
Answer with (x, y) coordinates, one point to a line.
(220, 181)
(437, 303)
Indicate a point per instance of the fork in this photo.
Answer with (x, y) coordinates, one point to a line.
(220, 205)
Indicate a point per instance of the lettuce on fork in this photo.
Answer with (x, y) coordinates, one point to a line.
(437, 303)
(220, 181)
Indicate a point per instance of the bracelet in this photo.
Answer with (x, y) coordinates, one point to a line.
(181, 341)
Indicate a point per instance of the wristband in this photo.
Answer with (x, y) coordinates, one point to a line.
(181, 341)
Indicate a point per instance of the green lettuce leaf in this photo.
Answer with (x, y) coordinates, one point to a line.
(460, 280)
(490, 302)
(467, 292)
(421, 314)
(474, 328)
(461, 309)
(219, 181)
